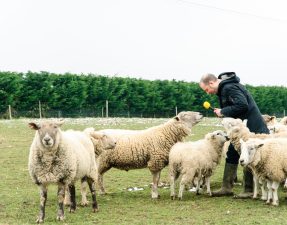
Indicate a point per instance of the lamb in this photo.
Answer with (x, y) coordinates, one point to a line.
(58, 157)
(147, 148)
(101, 142)
(268, 158)
(195, 160)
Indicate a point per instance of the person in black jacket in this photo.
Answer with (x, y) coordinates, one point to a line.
(236, 102)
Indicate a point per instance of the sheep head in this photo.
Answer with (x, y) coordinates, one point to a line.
(190, 118)
(48, 132)
(248, 150)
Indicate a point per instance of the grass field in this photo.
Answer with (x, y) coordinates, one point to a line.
(19, 197)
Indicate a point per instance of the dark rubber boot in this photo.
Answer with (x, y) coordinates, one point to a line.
(247, 184)
(230, 171)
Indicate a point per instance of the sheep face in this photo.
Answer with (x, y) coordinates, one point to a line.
(228, 123)
(189, 118)
(107, 141)
(248, 150)
(48, 132)
(218, 135)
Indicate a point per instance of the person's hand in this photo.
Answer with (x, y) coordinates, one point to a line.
(217, 111)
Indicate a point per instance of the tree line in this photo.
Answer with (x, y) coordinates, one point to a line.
(77, 93)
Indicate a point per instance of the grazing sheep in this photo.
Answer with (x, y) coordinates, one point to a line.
(147, 148)
(195, 160)
(268, 159)
(58, 157)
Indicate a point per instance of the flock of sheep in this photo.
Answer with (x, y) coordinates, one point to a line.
(64, 157)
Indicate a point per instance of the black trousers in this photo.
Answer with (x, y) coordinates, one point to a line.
(232, 155)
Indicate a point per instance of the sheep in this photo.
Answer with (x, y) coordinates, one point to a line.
(269, 120)
(268, 158)
(101, 142)
(58, 157)
(195, 159)
(147, 148)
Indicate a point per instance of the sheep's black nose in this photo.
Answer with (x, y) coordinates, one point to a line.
(241, 161)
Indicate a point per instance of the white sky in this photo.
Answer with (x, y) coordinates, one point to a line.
(149, 39)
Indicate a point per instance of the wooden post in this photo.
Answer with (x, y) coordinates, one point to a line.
(10, 112)
(102, 112)
(40, 110)
(107, 108)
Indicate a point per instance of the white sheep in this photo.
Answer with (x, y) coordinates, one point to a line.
(268, 159)
(147, 148)
(269, 120)
(195, 160)
(58, 157)
(101, 142)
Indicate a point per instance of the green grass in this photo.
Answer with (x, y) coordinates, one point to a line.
(19, 197)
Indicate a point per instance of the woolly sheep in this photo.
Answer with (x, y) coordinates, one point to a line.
(58, 157)
(101, 142)
(147, 148)
(195, 159)
(268, 158)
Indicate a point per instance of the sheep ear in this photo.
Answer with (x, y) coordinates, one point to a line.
(176, 118)
(34, 126)
(260, 145)
(96, 135)
(60, 122)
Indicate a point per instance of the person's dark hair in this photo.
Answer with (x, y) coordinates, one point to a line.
(208, 77)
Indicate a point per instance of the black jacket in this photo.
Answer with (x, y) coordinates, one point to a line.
(236, 102)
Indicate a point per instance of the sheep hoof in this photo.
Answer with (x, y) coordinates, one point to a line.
(39, 220)
(60, 217)
(95, 210)
(84, 204)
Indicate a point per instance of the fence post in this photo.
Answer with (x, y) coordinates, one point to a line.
(10, 112)
(107, 108)
(175, 110)
(40, 111)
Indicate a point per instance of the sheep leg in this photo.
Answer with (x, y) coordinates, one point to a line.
(67, 200)
(100, 178)
(207, 182)
(172, 183)
(185, 179)
(255, 186)
(269, 195)
(91, 183)
(61, 196)
(84, 201)
(43, 199)
(72, 191)
(155, 180)
(263, 190)
(274, 187)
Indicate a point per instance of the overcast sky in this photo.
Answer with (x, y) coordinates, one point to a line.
(149, 39)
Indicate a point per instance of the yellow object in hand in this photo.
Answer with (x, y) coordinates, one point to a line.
(206, 105)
